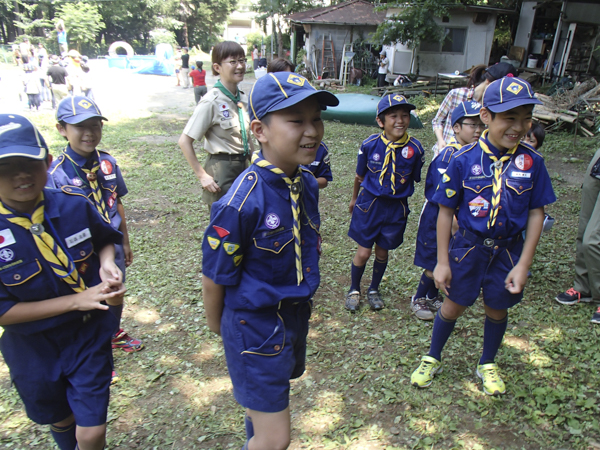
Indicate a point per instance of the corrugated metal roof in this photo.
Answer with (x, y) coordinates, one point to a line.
(353, 12)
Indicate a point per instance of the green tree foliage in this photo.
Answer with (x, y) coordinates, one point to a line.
(29, 19)
(82, 21)
(277, 10)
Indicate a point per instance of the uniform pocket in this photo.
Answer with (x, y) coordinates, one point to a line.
(520, 194)
(274, 243)
(277, 256)
(262, 334)
(365, 206)
(476, 186)
(23, 281)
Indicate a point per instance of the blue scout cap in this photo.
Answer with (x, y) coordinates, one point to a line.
(465, 109)
(20, 137)
(508, 93)
(77, 109)
(279, 90)
(393, 100)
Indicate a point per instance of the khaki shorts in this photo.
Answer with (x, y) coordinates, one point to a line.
(224, 169)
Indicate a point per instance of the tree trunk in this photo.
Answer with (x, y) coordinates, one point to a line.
(185, 33)
(280, 41)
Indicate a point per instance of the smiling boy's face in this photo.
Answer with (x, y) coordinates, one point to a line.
(84, 136)
(21, 181)
(395, 122)
(507, 128)
(291, 137)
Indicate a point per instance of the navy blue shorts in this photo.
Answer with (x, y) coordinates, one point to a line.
(475, 267)
(265, 349)
(426, 249)
(64, 370)
(377, 220)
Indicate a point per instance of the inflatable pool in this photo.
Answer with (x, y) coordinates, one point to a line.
(360, 109)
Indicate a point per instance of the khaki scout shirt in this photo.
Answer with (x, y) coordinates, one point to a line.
(216, 119)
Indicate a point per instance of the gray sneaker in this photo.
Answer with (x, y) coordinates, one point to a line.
(435, 303)
(375, 300)
(353, 301)
(420, 308)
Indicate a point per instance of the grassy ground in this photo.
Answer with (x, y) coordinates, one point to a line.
(355, 393)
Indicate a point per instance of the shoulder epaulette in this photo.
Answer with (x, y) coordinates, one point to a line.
(465, 149)
(103, 151)
(415, 141)
(531, 148)
(449, 151)
(61, 159)
(243, 190)
(371, 138)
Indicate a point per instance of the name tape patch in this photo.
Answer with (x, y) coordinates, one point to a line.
(520, 174)
(76, 238)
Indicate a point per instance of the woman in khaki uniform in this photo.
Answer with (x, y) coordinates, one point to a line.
(221, 117)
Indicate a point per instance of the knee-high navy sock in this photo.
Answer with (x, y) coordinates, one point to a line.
(442, 329)
(117, 311)
(424, 286)
(433, 292)
(249, 427)
(64, 436)
(379, 267)
(356, 276)
(493, 332)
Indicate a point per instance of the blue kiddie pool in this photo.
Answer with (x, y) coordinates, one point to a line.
(360, 109)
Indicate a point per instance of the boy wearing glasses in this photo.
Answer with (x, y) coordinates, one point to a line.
(221, 117)
(467, 127)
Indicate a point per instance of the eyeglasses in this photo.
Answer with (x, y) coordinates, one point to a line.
(475, 126)
(236, 62)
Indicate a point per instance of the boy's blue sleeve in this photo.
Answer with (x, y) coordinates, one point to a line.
(419, 163)
(324, 168)
(449, 190)
(223, 245)
(361, 164)
(121, 187)
(543, 193)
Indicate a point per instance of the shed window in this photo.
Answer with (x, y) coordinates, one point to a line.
(454, 42)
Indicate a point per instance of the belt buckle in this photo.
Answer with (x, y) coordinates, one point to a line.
(488, 242)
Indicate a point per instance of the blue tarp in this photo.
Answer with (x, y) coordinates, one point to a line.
(161, 63)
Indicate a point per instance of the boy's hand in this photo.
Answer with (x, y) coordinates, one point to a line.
(516, 279)
(93, 297)
(110, 272)
(209, 184)
(441, 144)
(128, 254)
(351, 206)
(442, 276)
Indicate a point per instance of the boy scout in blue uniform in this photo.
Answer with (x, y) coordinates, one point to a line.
(57, 270)
(261, 255)
(467, 128)
(321, 166)
(388, 165)
(97, 174)
(497, 187)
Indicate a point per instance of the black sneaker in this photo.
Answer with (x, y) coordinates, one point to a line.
(352, 301)
(375, 300)
(596, 316)
(572, 297)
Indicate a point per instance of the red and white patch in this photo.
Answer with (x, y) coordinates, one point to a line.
(112, 199)
(106, 167)
(408, 152)
(523, 162)
(479, 206)
(83, 268)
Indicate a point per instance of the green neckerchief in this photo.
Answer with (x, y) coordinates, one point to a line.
(236, 99)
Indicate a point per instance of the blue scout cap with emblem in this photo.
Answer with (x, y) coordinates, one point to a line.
(77, 109)
(392, 100)
(508, 93)
(19, 137)
(280, 90)
(465, 109)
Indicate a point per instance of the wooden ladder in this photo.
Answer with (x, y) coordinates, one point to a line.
(328, 57)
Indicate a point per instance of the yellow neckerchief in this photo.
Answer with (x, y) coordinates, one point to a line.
(92, 178)
(497, 179)
(390, 158)
(52, 252)
(295, 186)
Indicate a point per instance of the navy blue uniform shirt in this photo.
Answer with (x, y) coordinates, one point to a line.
(321, 166)
(24, 273)
(409, 161)
(66, 171)
(249, 244)
(467, 187)
(438, 168)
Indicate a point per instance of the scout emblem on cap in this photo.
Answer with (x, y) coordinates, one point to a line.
(479, 206)
(514, 87)
(272, 221)
(407, 152)
(398, 98)
(9, 127)
(6, 255)
(523, 162)
(84, 104)
(295, 79)
(476, 169)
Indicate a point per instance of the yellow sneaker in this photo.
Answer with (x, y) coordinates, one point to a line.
(423, 376)
(492, 383)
